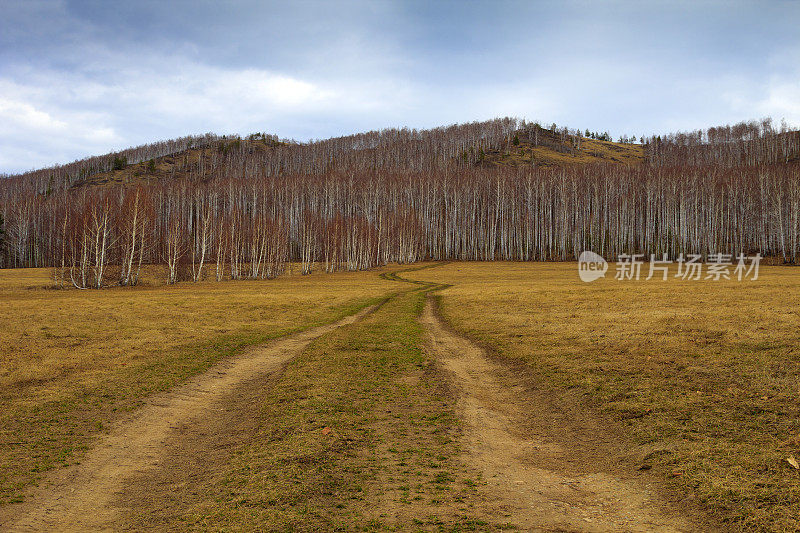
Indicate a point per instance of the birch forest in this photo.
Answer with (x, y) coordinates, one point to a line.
(244, 208)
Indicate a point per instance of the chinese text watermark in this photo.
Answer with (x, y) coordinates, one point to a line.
(592, 266)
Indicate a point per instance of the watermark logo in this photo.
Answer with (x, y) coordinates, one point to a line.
(591, 266)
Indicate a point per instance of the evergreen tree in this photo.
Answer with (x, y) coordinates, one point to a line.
(120, 163)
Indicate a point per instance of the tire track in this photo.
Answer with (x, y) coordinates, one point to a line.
(81, 497)
(543, 485)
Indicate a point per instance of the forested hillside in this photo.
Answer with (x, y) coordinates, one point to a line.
(743, 144)
(503, 142)
(503, 189)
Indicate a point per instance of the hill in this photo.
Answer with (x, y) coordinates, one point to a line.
(184, 164)
(505, 143)
(547, 148)
(478, 191)
(521, 148)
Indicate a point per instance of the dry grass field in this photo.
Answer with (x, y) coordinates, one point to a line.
(591, 151)
(703, 376)
(70, 360)
(688, 386)
(359, 433)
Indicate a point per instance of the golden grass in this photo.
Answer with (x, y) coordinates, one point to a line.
(591, 151)
(358, 433)
(69, 359)
(704, 375)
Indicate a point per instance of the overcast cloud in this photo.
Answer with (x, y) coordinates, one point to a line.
(80, 78)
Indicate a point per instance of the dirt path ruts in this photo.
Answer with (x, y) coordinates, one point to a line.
(81, 497)
(544, 485)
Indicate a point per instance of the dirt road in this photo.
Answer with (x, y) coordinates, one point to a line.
(81, 497)
(518, 442)
(548, 466)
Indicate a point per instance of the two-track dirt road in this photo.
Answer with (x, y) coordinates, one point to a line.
(510, 437)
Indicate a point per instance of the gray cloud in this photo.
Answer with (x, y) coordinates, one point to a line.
(80, 78)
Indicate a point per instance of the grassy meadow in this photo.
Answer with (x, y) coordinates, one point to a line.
(703, 375)
(71, 359)
(362, 430)
(359, 433)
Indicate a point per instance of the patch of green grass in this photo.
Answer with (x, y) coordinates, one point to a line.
(352, 436)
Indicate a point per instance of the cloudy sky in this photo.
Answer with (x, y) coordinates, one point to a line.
(80, 78)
